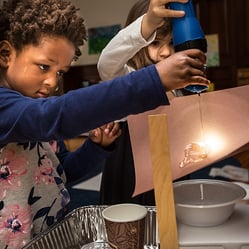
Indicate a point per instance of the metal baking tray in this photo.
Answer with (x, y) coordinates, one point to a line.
(85, 225)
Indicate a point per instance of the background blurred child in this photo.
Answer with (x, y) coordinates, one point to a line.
(145, 40)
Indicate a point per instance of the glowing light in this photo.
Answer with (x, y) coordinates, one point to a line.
(213, 141)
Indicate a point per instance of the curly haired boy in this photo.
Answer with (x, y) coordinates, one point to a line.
(39, 39)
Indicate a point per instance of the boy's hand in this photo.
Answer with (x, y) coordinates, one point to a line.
(156, 14)
(182, 69)
(106, 134)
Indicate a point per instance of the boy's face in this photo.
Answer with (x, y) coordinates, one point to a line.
(161, 48)
(37, 70)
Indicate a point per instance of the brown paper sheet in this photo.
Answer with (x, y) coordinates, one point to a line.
(219, 119)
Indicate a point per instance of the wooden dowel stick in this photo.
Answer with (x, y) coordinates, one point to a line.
(162, 179)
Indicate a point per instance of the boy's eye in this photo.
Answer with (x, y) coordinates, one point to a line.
(44, 67)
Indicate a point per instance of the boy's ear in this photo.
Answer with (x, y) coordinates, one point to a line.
(5, 52)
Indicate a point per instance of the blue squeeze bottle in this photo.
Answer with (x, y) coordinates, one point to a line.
(187, 34)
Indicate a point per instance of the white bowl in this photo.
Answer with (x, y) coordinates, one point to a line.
(206, 202)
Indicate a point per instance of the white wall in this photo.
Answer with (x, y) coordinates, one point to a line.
(98, 13)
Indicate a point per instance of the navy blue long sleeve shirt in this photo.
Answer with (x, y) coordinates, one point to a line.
(24, 119)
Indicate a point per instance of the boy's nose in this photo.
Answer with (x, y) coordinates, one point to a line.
(51, 81)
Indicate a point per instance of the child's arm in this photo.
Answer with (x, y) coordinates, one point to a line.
(58, 118)
(156, 14)
(114, 57)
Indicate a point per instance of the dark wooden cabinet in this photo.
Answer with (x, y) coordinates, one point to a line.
(78, 75)
(230, 20)
(242, 31)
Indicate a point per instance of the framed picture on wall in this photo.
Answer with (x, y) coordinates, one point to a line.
(99, 37)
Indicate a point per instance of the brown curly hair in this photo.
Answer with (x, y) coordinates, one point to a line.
(23, 22)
